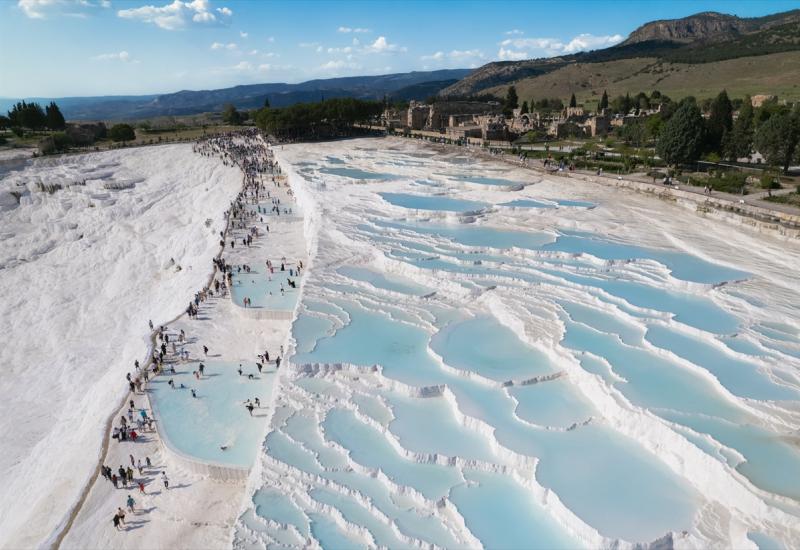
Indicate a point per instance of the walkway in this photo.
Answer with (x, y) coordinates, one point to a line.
(202, 502)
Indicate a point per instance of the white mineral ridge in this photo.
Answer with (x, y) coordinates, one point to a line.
(81, 272)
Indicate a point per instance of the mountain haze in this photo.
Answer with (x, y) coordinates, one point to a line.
(188, 102)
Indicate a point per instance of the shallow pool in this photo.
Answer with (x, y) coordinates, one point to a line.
(200, 426)
(432, 202)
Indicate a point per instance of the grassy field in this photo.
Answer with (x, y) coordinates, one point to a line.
(777, 74)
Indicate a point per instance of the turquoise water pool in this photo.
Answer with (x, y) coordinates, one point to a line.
(432, 202)
(199, 426)
(264, 289)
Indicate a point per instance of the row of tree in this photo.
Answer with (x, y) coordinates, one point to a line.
(32, 116)
(312, 120)
(773, 130)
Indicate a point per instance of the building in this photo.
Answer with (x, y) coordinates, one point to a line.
(597, 125)
(392, 118)
(759, 99)
(417, 116)
(493, 127)
(440, 112)
(464, 131)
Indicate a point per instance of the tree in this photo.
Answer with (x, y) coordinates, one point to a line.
(603, 101)
(266, 102)
(27, 115)
(5, 122)
(310, 120)
(55, 120)
(641, 101)
(512, 101)
(634, 133)
(681, 139)
(621, 104)
(230, 115)
(720, 122)
(524, 108)
(654, 125)
(572, 101)
(122, 132)
(777, 138)
(768, 108)
(740, 140)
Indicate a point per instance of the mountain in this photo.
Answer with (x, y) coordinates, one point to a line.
(413, 85)
(423, 90)
(707, 37)
(708, 27)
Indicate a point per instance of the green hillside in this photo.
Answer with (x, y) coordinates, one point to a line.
(777, 74)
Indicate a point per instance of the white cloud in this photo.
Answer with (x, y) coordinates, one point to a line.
(123, 56)
(513, 32)
(455, 55)
(381, 45)
(338, 64)
(243, 66)
(230, 46)
(346, 49)
(308, 44)
(271, 39)
(435, 56)
(243, 34)
(179, 14)
(40, 9)
(511, 55)
(584, 42)
(351, 29)
(554, 46)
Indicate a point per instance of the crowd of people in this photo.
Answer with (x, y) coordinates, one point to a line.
(246, 150)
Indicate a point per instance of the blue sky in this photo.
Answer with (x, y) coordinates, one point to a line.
(104, 47)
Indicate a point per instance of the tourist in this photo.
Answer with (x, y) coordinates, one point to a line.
(130, 503)
(165, 480)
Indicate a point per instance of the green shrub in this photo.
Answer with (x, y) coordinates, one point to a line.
(122, 132)
(769, 181)
(726, 182)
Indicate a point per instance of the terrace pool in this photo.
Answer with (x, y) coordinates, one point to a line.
(199, 427)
